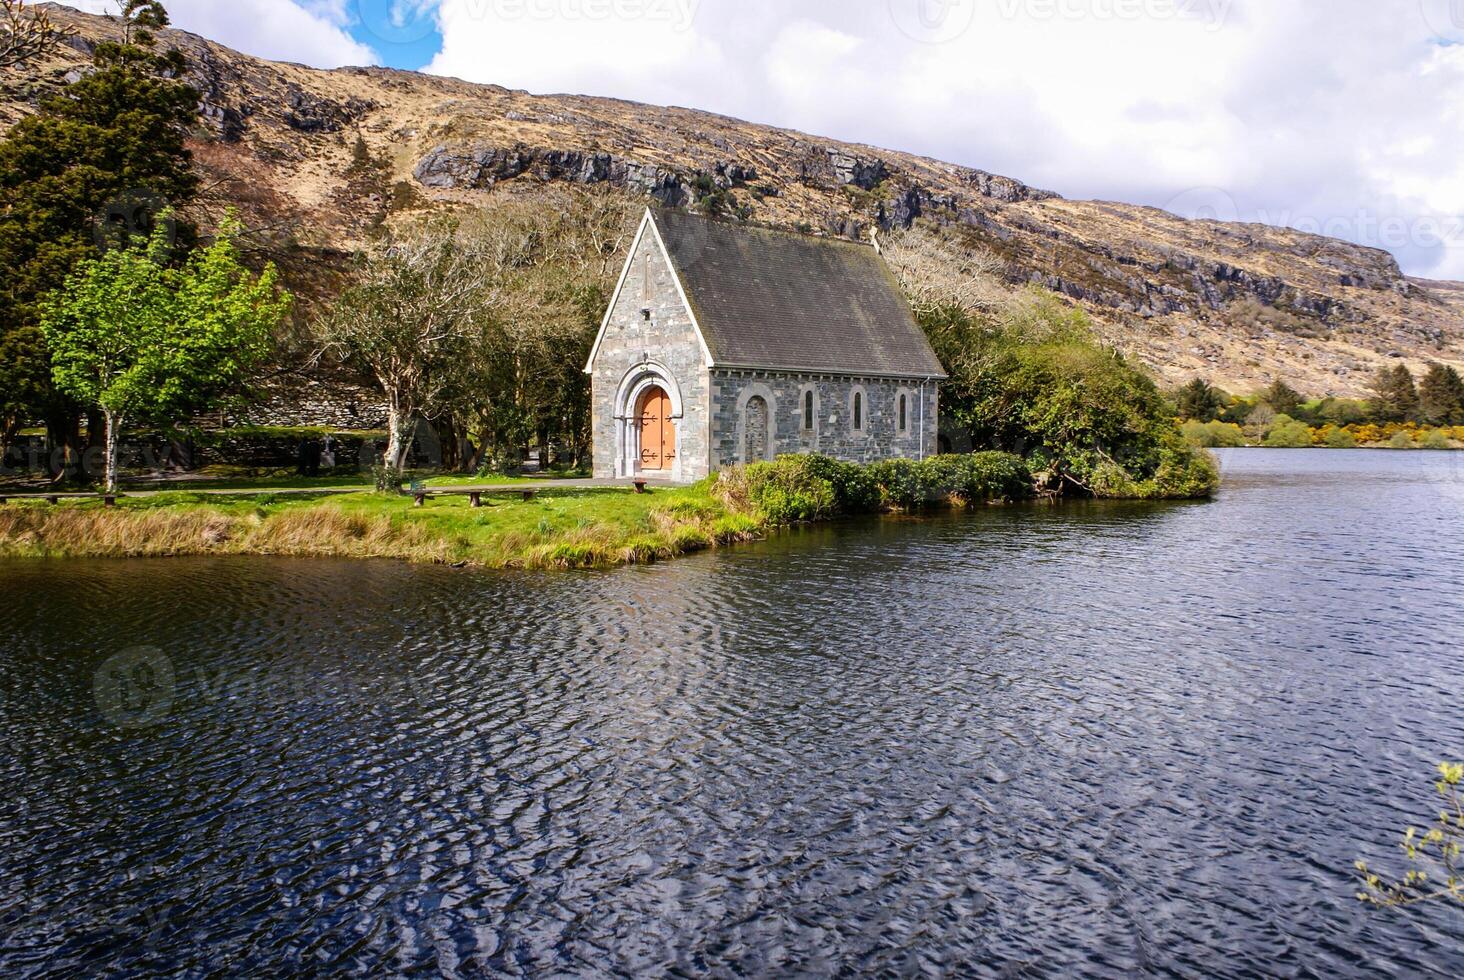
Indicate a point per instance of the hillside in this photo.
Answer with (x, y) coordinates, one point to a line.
(324, 157)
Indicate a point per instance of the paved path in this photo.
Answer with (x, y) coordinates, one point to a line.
(537, 486)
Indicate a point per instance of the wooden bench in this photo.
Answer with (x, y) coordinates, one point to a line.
(108, 499)
(475, 497)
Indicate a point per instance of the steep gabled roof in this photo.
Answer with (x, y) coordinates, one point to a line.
(782, 301)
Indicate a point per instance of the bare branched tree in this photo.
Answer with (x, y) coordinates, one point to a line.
(552, 261)
(938, 271)
(27, 35)
(407, 320)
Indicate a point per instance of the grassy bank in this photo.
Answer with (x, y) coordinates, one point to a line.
(570, 528)
(553, 530)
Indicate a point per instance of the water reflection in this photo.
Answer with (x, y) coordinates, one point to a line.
(1099, 738)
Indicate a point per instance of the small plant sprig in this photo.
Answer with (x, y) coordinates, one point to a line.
(1433, 854)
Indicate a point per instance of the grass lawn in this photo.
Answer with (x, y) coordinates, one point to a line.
(568, 528)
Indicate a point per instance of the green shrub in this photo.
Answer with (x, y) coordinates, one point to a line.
(1036, 377)
(1213, 435)
(1336, 438)
(1401, 440)
(1184, 472)
(983, 476)
(795, 489)
(903, 483)
(1434, 439)
(1287, 433)
(855, 491)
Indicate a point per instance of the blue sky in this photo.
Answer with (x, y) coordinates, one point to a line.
(403, 34)
(1340, 117)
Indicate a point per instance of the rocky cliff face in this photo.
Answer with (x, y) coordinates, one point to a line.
(333, 154)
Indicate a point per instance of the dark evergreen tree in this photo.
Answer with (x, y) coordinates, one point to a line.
(1199, 400)
(1395, 397)
(1283, 399)
(1441, 396)
(98, 163)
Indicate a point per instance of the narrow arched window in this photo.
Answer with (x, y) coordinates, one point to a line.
(902, 413)
(808, 410)
(858, 410)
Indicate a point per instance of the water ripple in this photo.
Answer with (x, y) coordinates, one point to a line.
(1096, 739)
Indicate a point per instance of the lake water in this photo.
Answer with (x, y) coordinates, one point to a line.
(1097, 739)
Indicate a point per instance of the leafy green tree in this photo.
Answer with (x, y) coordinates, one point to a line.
(1441, 396)
(1395, 397)
(140, 341)
(1434, 854)
(1200, 401)
(1283, 399)
(92, 166)
(1341, 411)
(1035, 380)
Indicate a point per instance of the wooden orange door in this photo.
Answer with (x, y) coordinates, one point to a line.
(657, 431)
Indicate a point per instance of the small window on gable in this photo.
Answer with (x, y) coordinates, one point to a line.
(858, 411)
(808, 410)
(903, 425)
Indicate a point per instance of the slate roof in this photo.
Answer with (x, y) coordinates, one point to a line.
(782, 301)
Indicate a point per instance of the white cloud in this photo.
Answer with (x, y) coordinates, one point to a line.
(1341, 115)
(311, 32)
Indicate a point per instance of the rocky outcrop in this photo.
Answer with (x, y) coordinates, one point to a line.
(853, 171)
(312, 114)
(480, 168)
(1000, 188)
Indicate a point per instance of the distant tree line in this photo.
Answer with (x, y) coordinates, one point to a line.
(1396, 396)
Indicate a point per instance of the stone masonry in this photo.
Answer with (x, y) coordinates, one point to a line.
(666, 340)
(833, 433)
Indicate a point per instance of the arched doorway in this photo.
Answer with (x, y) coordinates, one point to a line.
(657, 430)
(755, 430)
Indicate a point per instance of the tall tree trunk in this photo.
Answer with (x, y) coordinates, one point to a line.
(396, 450)
(111, 422)
(63, 443)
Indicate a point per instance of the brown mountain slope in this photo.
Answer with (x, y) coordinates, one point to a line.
(1240, 304)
